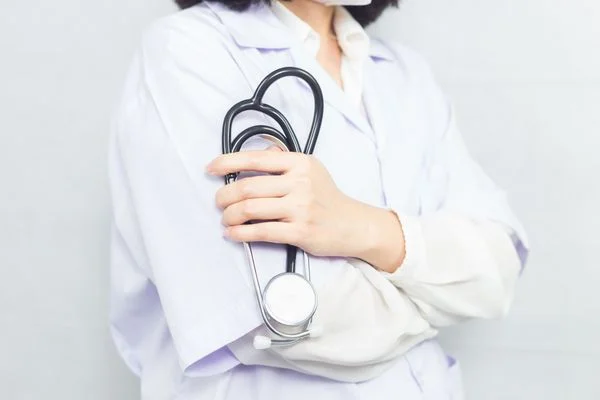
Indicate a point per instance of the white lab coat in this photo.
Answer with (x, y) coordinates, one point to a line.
(181, 293)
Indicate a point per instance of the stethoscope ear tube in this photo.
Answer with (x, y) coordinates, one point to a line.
(292, 325)
(318, 111)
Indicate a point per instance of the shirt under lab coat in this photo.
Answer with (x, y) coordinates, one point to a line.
(180, 292)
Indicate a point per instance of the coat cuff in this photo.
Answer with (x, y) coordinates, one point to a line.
(415, 257)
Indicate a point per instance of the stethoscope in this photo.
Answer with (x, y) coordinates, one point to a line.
(289, 300)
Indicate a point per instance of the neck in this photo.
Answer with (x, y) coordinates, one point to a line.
(315, 14)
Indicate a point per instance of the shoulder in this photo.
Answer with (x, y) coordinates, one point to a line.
(195, 23)
(412, 64)
(184, 67)
(190, 50)
(412, 77)
(193, 39)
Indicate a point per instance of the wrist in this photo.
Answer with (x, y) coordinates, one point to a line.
(382, 242)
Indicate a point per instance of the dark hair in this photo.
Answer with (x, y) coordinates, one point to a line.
(363, 14)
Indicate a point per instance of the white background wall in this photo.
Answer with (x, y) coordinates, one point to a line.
(525, 79)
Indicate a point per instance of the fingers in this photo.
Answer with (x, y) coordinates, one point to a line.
(263, 198)
(267, 161)
(254, 187)
(272, 232)
(255, 209)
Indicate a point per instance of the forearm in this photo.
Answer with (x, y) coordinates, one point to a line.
(459, 268)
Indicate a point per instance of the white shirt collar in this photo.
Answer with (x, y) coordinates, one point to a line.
(352, 38)
(261, 29)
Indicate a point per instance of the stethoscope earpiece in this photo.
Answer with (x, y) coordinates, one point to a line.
(289, 300)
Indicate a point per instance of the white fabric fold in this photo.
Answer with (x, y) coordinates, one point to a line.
(457, 268)
(367, 323)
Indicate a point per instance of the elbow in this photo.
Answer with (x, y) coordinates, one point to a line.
(485, 298)
(494, 299)
(494, 287)
(496, 308)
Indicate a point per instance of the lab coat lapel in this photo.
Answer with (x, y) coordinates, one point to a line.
(388, 105)
(261, 30)
(332, 93)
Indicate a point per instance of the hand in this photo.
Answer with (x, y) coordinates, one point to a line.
(301, 205)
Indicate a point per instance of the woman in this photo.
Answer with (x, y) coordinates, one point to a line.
(406, 233)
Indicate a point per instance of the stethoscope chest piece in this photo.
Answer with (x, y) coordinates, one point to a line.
(290, 302)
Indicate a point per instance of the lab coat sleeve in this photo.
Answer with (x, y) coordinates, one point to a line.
(166, 129)
(465, 248)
